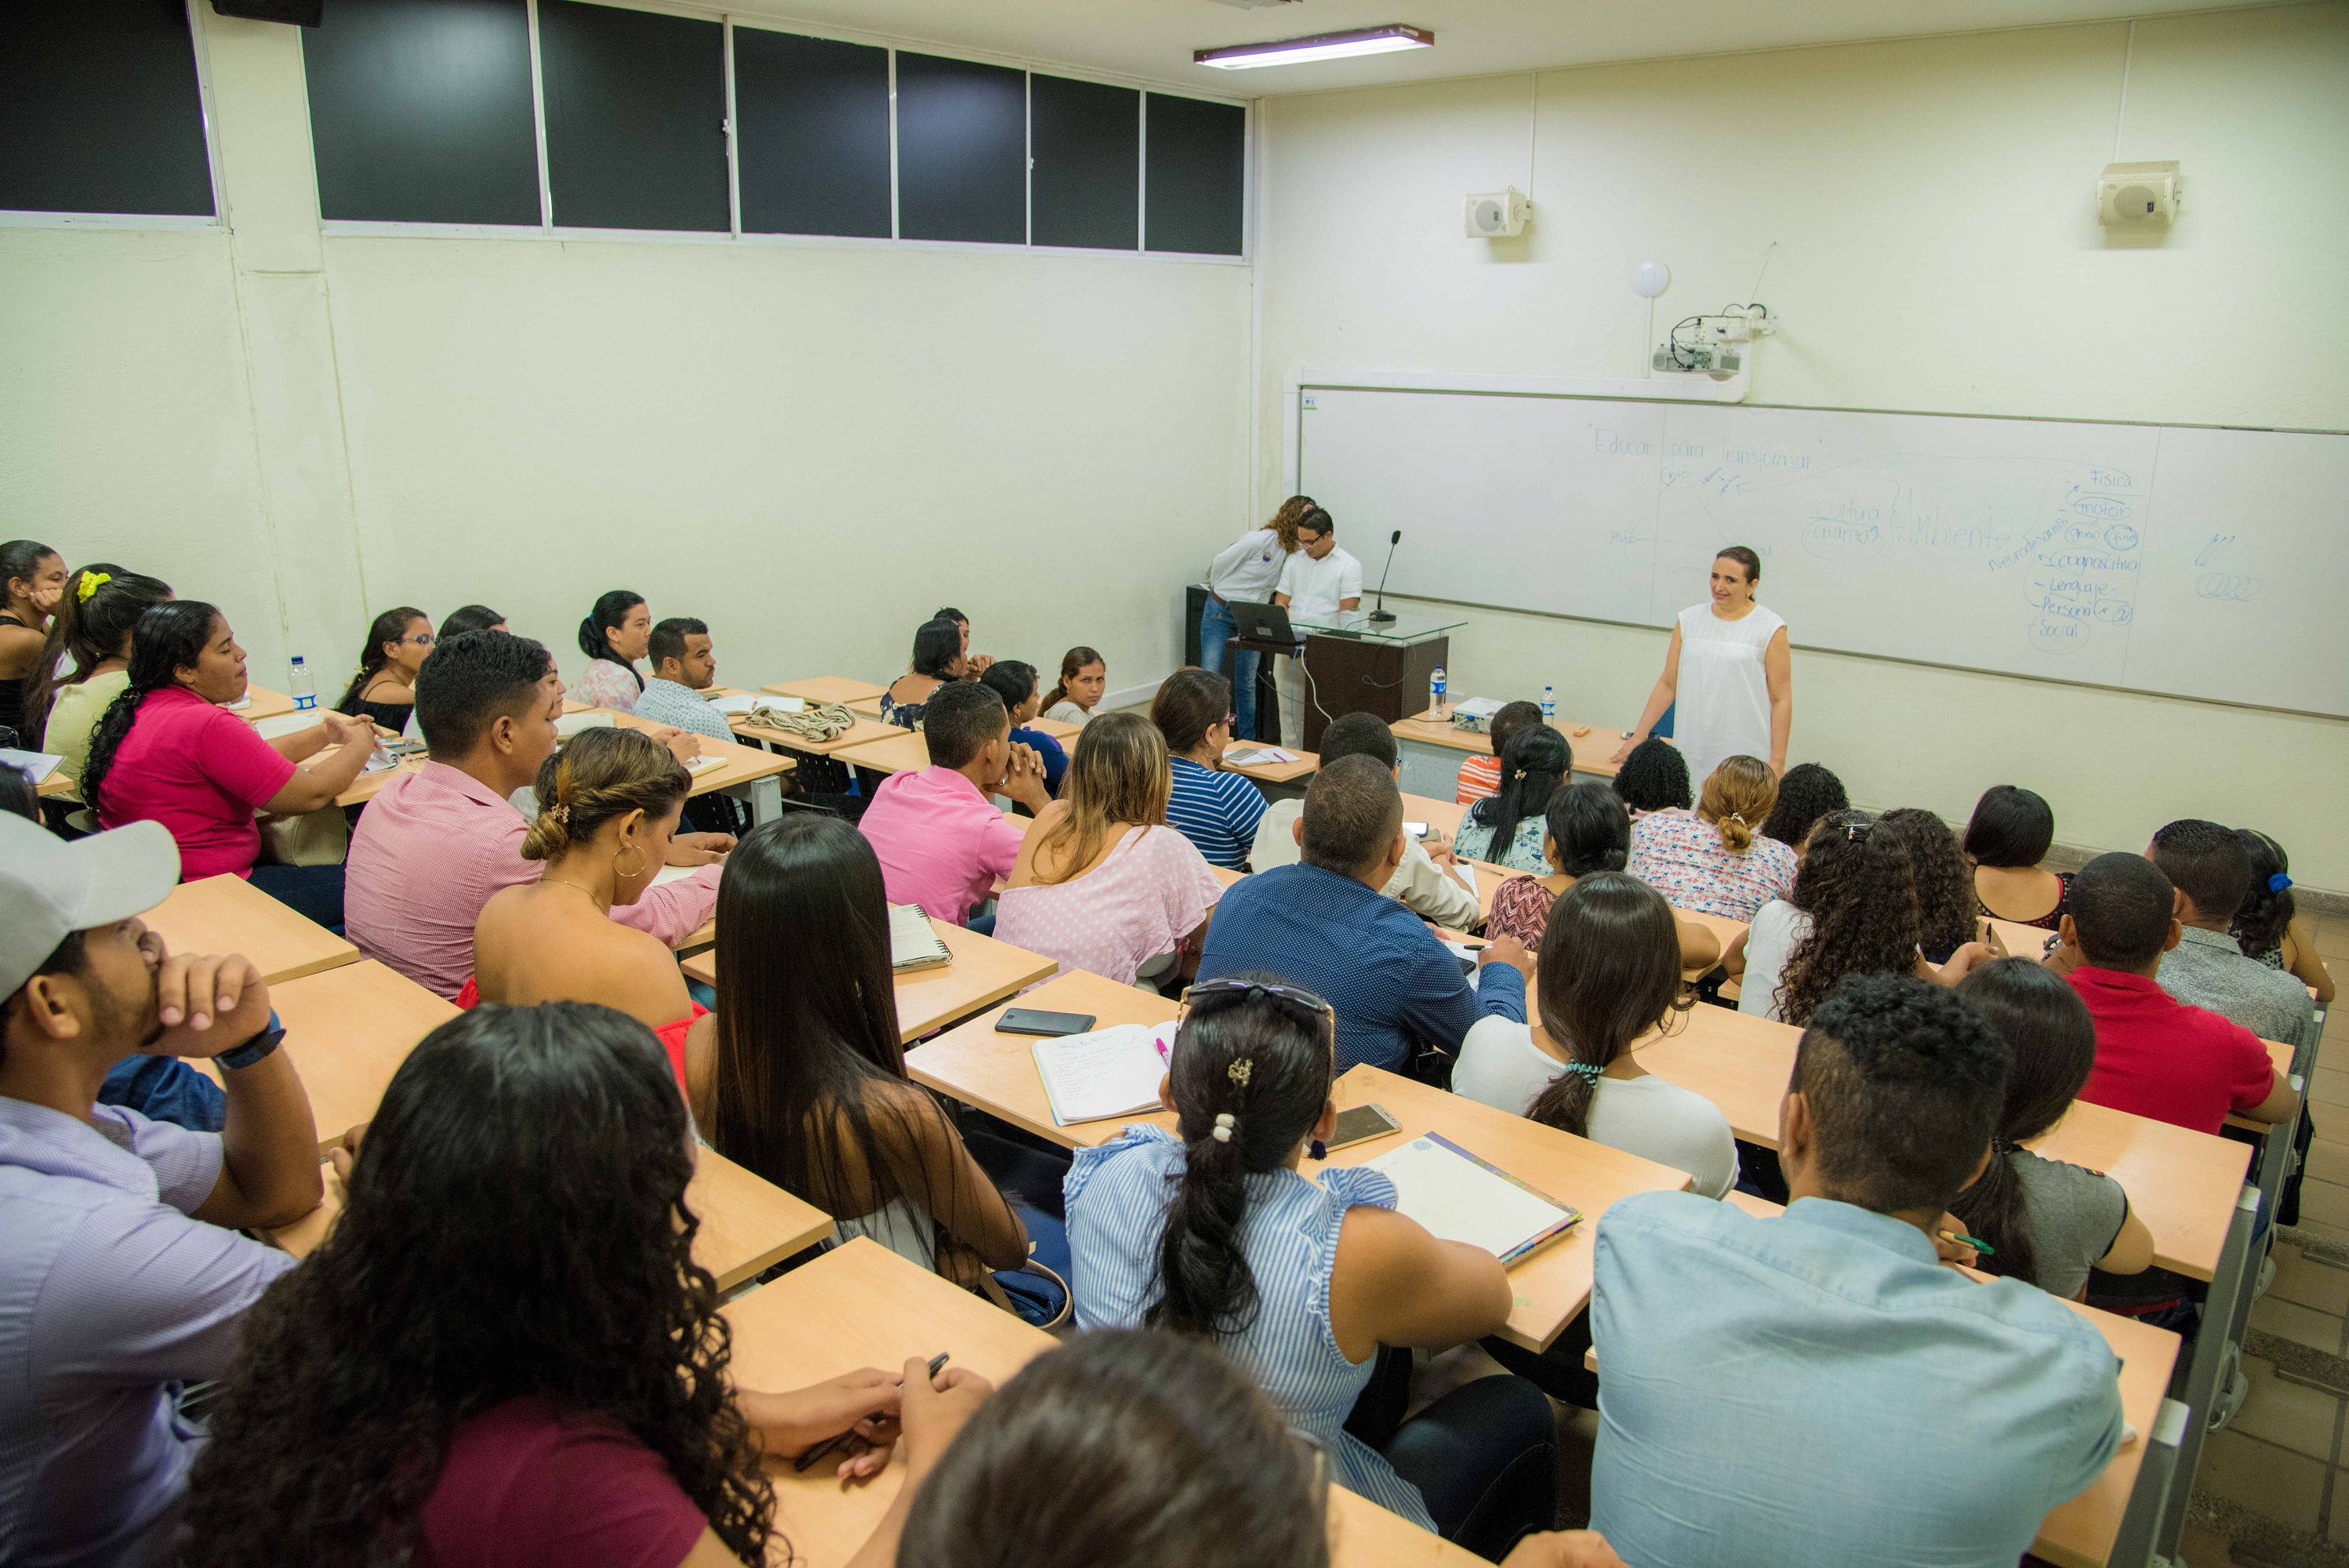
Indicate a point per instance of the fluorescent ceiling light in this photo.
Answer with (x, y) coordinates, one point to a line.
(1320, 46)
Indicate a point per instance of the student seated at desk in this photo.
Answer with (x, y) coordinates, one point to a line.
(2009, 834)
(1654, 777)
(384, 689)
(2211, 868)
(32, 582)
(1327, 923)
(2047, 1222)
(943, 844)
(1946, 920)
(1479, 778)
(505, 1352)
(1807, 793)
(937, 662)
(166, 751)
(1422, 885)
(471, 618)
(434, 846)
(1709, 860)
(1901, 1413)
(2156, 1057)
(1506, 830)
(1610, 975)
(614, 637)
(1101, 883)
(976, 665)
(1083, 678)
(1215, 810)
(1148, 1450)
(608, 805)
(93, 630)
(1586, 828)
(2268, 926)
(1212, 1231)
(1852, 911)
(799, 1074)
(1015, 683)
(123, 1268)
(685, 665)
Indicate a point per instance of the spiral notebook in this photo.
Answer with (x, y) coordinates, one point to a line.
(1461, 1197)
(912, 941)
(1105, 1073)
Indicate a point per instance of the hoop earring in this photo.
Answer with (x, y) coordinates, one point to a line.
(639, 870)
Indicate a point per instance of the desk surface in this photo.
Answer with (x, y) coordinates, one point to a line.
(1271, 772)
(1593, 746)
(863, 732)
(2182, 1183)
(984, 972)
(227, 913)
(827, 688)
(347, 1032)
(743, 763)
(261, 703)
(748, 1224)
(894, 751)
(996, 1073)
(1444, 815)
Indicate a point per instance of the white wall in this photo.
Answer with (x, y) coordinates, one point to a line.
(1936, 249)
(809, 447)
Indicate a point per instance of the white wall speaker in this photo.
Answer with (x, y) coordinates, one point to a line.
(1495, 214)
(2138, 195)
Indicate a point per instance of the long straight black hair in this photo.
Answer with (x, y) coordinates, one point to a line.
(2051, 1041)
(102, 603)
(1534, 763)
(170, 637)
(807, 1025)
(1609, 972)
(1206, 1286)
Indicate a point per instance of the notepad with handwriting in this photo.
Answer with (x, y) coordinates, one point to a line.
(914, 942)
(1105, 1073)
(1461, 1197)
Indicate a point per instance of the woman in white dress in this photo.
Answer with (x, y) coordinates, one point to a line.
(1730, 671)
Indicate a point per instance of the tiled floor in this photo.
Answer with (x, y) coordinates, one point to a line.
(2273, 1489)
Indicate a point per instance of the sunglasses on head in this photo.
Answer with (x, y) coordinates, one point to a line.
(1293, 1002)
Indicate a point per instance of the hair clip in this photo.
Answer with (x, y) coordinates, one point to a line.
(1240, 1071)
(2278, 882)
(1857, 832)
(1736, 818)
(1585, 1069)
(1225, 1122)
(91, 582)
(560, 813)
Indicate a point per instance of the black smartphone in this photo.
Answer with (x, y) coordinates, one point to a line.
(1360, 1124)
(1028, 1021)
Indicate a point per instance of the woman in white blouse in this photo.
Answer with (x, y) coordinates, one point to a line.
(1730, 672)
(1246, 574)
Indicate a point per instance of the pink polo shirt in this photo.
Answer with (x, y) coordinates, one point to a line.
(199, 770)
(942, 843)
(431, 849)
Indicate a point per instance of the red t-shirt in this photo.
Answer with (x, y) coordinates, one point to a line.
(2159, 1059)
(201, 772)
(1480, 779)
(529, 1485)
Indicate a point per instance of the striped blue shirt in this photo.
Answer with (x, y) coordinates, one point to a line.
(1391, 981)
(667, 702)
(1215, 810)
(1118, 1196)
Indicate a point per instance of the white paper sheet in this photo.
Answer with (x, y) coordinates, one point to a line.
(35, 766)
(737, 707)
(1459, 1200)
(1108, 1072)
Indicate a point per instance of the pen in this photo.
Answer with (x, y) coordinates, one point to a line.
(825, 1447)
(1961, 1239)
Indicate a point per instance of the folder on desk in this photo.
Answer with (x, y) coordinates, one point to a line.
(912, 941)
(1461, 1197)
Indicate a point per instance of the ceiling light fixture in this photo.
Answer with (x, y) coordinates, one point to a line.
(1320, 46)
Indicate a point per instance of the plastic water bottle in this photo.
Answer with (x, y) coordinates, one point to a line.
(1549, 706)
(306, 693)
(1435, 690)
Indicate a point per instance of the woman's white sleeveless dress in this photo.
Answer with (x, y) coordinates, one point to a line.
(1722, 693)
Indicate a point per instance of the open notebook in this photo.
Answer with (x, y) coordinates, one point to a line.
(1105, 1073)
(1461, 1197)
(912, 941)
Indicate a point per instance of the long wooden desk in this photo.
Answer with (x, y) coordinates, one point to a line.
(1271, 772)
(227, 913)
(827, 688)
(748, 771)
(748, 1224)
(1594, 745)
(2182, 1183)
(347, 1032)
(261, 702)
(861, 1305)
(1443, 816)
(864, 732)
(983, 972)
(895, 751)
(995, 1072)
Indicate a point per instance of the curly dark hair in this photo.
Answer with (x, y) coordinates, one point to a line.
(1856, 887)
(1945, 882)
(516, 1226)
(1807, 793)
(1654, 777)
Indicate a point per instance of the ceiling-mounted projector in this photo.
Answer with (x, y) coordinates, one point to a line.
(1497, 214)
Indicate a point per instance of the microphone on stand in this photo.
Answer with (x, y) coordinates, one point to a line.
(1381, 615)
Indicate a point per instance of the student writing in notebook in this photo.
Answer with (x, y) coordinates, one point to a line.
(1212, 1230)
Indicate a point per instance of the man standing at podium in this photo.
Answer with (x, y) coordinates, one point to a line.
(1319, 580)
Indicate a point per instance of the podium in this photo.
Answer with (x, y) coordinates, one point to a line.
(1356, 665)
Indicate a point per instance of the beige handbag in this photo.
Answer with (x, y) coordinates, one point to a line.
(829, 721)
(319, 838)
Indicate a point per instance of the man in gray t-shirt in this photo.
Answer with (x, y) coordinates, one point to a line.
(2212, 872)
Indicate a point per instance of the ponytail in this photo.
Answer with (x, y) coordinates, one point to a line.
(1072, 661)
(1533, 762)
(387, 627)
(93, 622)
(2052, 1045)
(1250, 1076)
(601, 776)
(1737, 799)
(170, 637)
(2267, 912)
(1996, 1209)
(1609, 972)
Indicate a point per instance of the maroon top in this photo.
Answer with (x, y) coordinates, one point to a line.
(530, 1485)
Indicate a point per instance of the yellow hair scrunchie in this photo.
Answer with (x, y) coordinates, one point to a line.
(91, 582)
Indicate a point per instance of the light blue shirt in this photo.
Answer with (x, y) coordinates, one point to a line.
(1815, 1389)
(667, 702)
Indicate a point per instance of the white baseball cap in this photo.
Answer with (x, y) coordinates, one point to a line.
(52, 889)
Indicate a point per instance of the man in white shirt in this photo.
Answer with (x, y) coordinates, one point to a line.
(1319, 579)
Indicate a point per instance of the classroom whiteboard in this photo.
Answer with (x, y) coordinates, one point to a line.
(2193, 562)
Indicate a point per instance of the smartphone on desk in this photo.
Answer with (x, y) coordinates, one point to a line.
(1028, 1021)
(1360, 1124)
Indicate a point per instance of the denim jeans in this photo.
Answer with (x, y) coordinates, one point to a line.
(315, 891)
(1216, 625)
